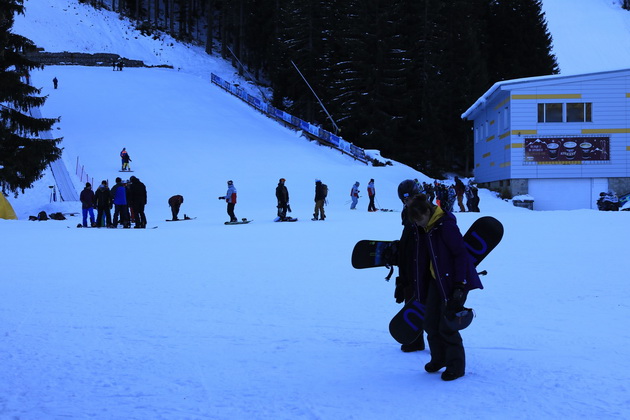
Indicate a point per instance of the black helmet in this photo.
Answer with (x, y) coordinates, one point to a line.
(459, 320)
(407, 189)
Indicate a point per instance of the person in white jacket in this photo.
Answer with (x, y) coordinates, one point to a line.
(354, 194)
(230, 198)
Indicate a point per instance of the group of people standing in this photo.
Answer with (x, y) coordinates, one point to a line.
(127, 198)
(445, 196)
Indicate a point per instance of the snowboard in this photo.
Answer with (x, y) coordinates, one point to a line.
(368, 254)
(181, 220)
(288, 219)
(242, 222)
(481, 238)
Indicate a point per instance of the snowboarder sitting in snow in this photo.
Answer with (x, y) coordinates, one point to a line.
(230, 198)
(446, 273)
(174, 203)
(124, 157)
(282, 194)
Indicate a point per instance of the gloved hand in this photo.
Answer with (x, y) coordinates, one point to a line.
(399, 292)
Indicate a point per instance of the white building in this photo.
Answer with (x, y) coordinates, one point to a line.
(560, 139)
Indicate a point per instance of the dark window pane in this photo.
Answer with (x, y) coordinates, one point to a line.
(554, 113)
(575, 112)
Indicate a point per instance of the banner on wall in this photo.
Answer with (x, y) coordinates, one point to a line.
(567, 149)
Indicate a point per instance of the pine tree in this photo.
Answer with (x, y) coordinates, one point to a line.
(24, 155)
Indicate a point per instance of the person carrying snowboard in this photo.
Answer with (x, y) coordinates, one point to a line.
(446, 273)
(282, 194)
(321, 191)
(407, 246)
(124, 157)
(175, 203)
(230, 199)
(354, 194)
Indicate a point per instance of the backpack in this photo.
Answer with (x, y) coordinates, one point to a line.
(325, 190)
(42, 215)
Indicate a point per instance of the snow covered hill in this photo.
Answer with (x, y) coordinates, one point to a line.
(198, 320)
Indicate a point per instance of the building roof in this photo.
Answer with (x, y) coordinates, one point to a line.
(549, 79)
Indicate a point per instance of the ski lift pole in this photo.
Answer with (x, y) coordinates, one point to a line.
(248, 73)
(319, 100)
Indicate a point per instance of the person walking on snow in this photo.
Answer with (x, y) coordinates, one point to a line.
(124, 157)
(282, 194)
(230, 199)
(87, 204)
(354, 193)
(446, 273)
(407, 248)
(371, 195)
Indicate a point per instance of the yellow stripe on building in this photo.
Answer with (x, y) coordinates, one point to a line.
(485, 155)
(490, 138)
(605, 130)
(550, 96)
(523, 132)
(504, 165)
(492, 122)
(503, 102)
(514, 146)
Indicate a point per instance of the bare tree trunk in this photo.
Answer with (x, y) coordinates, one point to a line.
(210, 28)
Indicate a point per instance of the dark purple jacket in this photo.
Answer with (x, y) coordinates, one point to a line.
(87, 198)
(445, 247)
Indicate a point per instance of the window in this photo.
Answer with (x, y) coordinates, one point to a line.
(550, 113)
(575, 112)
(579, 112)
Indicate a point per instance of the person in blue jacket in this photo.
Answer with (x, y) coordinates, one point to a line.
(446, 273)
(119, 198)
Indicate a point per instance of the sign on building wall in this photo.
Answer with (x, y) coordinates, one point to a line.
(567, 149)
